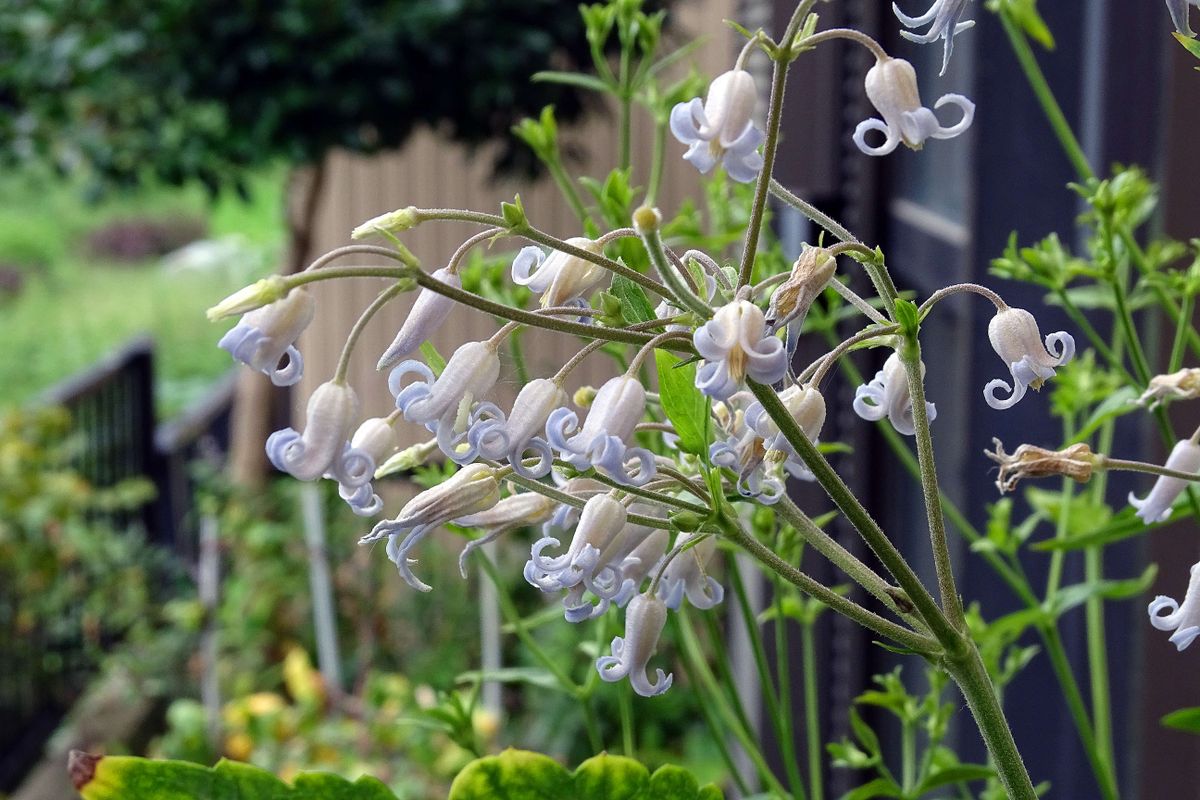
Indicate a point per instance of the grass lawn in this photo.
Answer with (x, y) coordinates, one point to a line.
(75, 308)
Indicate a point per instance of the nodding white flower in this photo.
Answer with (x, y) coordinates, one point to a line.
(560, 278)
(601, 443)
(686, 575)
(1156, 507)
(1179, 15)
(472, 489)
(892, 88)
(331, 411)
(804, 403)
(265, 335)
(449, 405)
(600, 523)
(790, 302)
(945, 21)
(888, 396)
(644, 621)
(372, 444)
(510, 514)
(613, 571)
(734, 344)
(1016, 339)
(1184, 619)
(720, 128)
(429, 311)
(513, 438)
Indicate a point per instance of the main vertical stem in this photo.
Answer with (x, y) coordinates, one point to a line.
(774, 118)
(972, 678)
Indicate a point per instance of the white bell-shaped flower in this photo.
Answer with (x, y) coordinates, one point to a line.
(522, 433)
(735, 344)
(1179, 15)
(687, 575)
(429, 311)
(892, 88)
(945, 21)
(372, 444)
(331, 412)
(600, 523)
(618, 407)
(888, 396)
(805, 404)
(1184, 619)
(266, 335)
(449, 405)
(472, 489)
(514, 512)
(1156, 507)
(721, 129)
(1016, 339)
(561, 279)
(644, 621)
(607, 579)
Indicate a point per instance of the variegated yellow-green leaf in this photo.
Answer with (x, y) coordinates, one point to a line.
(521, 775)
(129, 778)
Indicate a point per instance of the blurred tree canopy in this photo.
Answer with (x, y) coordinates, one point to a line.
(180, 90)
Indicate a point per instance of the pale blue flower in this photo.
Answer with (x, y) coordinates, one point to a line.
(601, 441)
(1184, 619)
(887, 395)
(687, 576)
(1179, 15)
(1156, 507)
(891, 87)
(267, 335)
(1016, 339)
(720, 129)
(644, 621)
(945, 21)
(735, 344)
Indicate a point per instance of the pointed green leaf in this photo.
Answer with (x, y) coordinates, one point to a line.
(635, 306)
(682, 402)
(1185, 719)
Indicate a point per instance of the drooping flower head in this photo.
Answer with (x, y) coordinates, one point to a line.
(602, 440)
(888, 396)
(372, 444)
(1184, 619)
(428, 313)
(266, 335)
(449, 405)
(945, 21)
(1016, 339)
(1179, 15)
(644, 621)
(600, 523)
(331, 412)
(1156, 506)
(721, 129)
(521, 434)
(561, 279)
(687, 575)
(892, 88)
(735, 344)
(472, 489)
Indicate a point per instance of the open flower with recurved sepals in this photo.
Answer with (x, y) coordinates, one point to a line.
(472, 489)
(1156, 506)
(600, 525)
(735, 344)
(1179, 15)
(265, 336)
(514, 438)
(331, 412)
(892, 88)
(687, 574)
(945, 21)
(888, 395)
(560, 278)
(1183, 620)
(1016, 339)
(720, 129)
(372, 444)
(602, 441)
(644, 621)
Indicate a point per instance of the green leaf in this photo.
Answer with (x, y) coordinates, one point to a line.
(533, 676)
(682, 402)
(1189, 44)
(1185, 719)
(582, 80)
(962, 773)
(129, 778)
(880, 787)
(1071, 596)
(433, 358)
(1117, 404)
(635, 306)
(512, 775)
(907, 316)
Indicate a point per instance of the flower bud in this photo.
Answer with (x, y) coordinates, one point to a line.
(428, 313)
(397, 221)
(248, 298)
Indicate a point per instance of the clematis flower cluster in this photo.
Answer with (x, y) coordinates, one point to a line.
(630, 489)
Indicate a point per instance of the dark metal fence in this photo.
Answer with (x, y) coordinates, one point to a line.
(113, 417)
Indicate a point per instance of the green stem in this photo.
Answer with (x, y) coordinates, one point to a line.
(908, 756)
(1183, 324)
(858, 516)
(972, 677)
(1094, 337)
(1125, 319)
(518, 357)
(726, 678)
(812, 212)
(625, 708)
(812, 711)
(684, 297)
(343, 364)
(657, 159)
(697, 668)
(1045, 96)
(775, 709)
(774, 120)
(567, 187)
(910, 355)
(844, 606)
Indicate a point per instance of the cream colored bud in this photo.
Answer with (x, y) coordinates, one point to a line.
(256, 295)
(402, 219)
